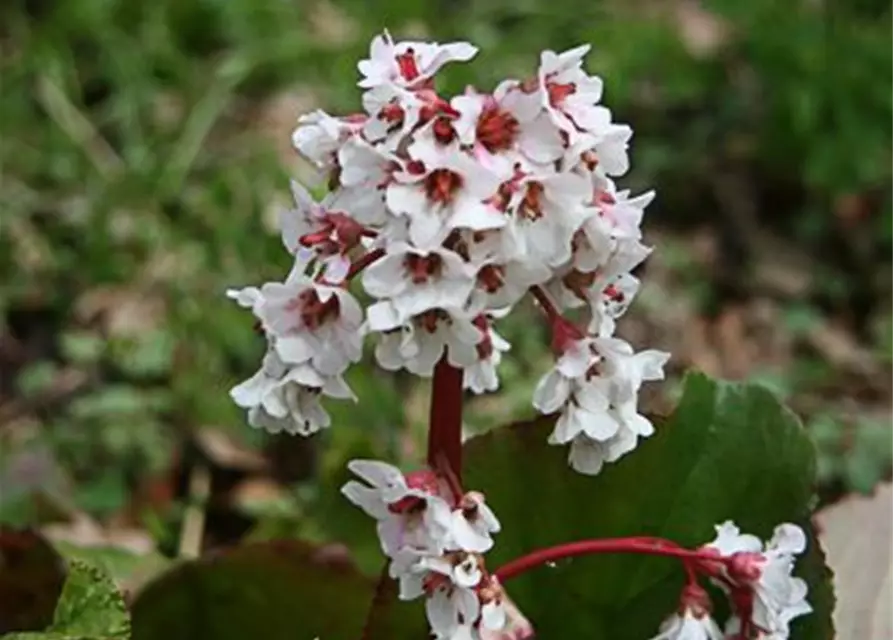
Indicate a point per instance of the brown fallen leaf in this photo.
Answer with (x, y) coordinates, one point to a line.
(856, 534)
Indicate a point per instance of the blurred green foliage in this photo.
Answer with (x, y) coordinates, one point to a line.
(139, 181)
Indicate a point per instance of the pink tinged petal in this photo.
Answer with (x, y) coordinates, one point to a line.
(729, 540)
(525, 107)
(274, 404)
(612, 152)
(336, 268)
(576, 360)
(568, 426)
(540, 140)
(465, 332)
(586, 456)
(600, 425)
(430, 350)
(469, 212)
(624, 442)
(417, 300)
(366, 499)
(386, 276)
(426, 228)
(441, 612)
(295, 349)
(788, 538)
(551, 392)
(382, 316)
(466, 537)
(493, 616)
(469, 108)
(336, 387)
(250, 392)
(379, 474)
(247, 298)
(406, 199)
(588, 117)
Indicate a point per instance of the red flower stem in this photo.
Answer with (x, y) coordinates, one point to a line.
(445, 420)
(364, 261)
(608, 545)
(545, 302)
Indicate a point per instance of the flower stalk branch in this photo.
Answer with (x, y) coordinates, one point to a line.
(654, 546)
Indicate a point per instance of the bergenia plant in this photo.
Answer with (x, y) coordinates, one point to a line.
(448, 211)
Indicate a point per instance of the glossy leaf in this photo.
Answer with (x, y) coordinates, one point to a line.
(285, 590)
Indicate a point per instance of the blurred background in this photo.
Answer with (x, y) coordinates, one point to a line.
(146, 152)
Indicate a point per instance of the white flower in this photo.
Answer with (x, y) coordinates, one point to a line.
(280, 398)
(408, 63)
(312, 322)
(320, 230)
(473, 524)
(570, 95)
(442, 189)
(778, 596)
(511, 120)
(451, 610)
(393, 113)
(480, 376)
(546, 209)
(417, 344)
(319, 136)
(594, 386)
(689, 626)
(416, 281)
(411, 519)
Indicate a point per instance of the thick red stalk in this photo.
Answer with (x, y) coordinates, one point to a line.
(608, 545)
(445, 420)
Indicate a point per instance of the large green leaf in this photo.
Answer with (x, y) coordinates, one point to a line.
(729, 451)
(283, 590)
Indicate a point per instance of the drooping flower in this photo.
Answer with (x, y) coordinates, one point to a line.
(765, 594)
(408, 63)
(689, 625)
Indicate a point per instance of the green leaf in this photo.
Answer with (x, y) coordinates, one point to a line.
(90, 605)
(285, 590)
(729, 451)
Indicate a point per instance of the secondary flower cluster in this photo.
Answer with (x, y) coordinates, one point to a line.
(757, 579)
(435, 541)
(453, 209)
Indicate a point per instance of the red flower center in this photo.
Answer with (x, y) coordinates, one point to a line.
(497, 129)
(490, 278)
(408, 66)
(313, 311)
(531, 207)
(442, 184)
(422, 268)
(558, 92)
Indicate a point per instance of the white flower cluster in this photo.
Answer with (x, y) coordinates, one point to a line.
(765, 596)
(452, 210)
(435, 546)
